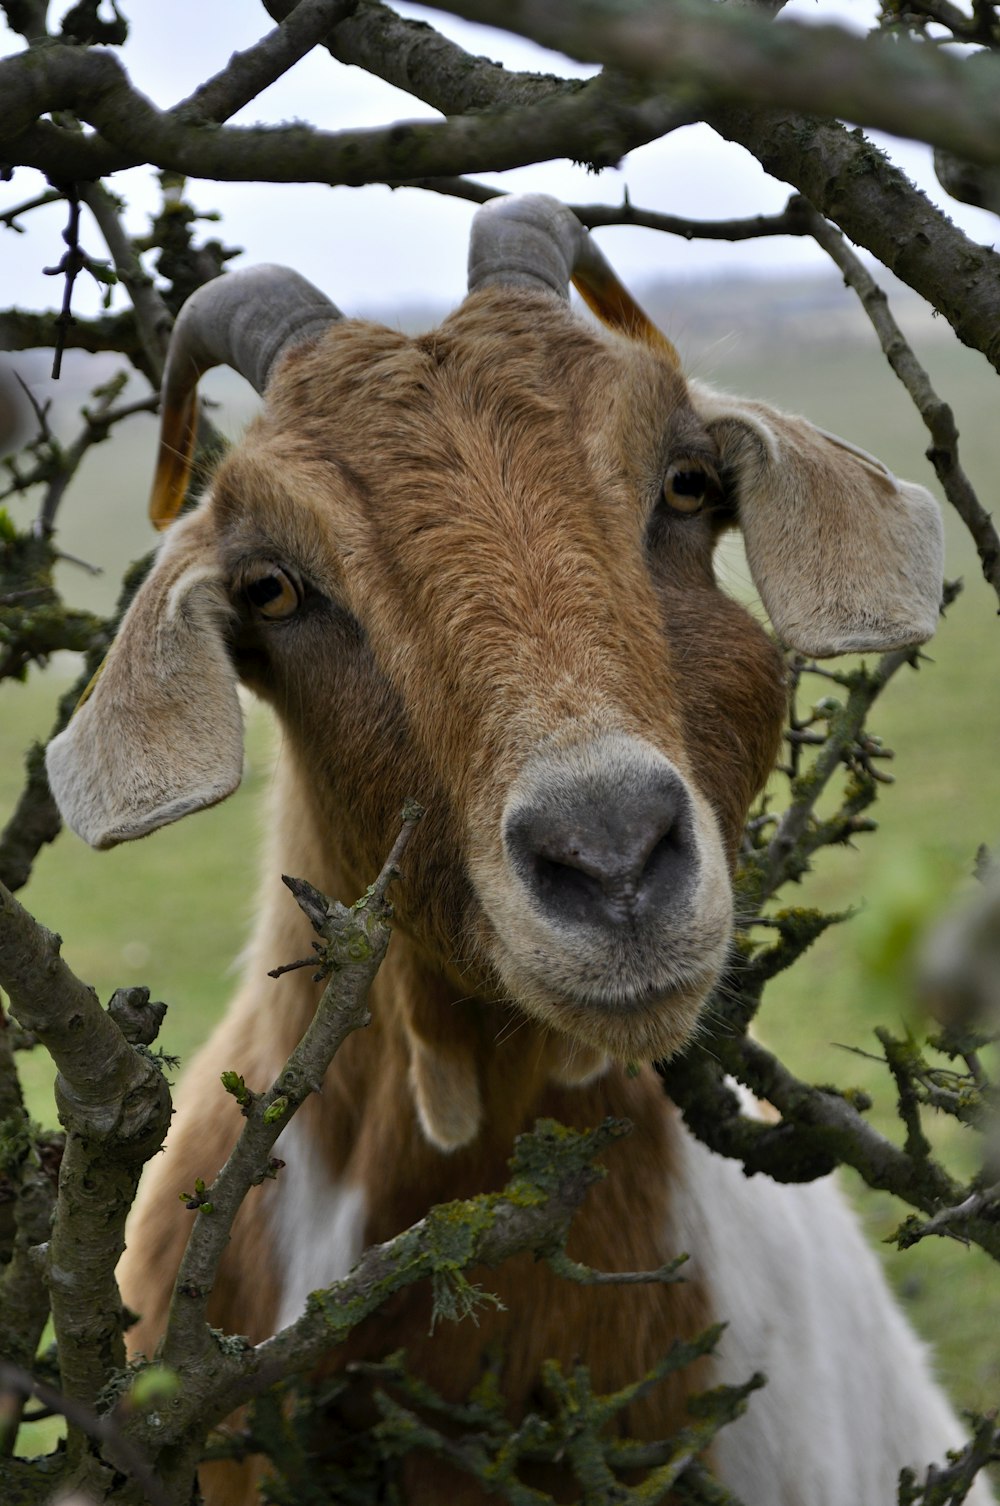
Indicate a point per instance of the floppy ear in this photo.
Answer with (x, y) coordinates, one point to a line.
(846, 558)
(159, 732)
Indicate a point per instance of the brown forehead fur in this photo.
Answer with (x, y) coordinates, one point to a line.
(487, 490)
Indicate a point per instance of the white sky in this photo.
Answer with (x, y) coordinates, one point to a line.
(370, 248)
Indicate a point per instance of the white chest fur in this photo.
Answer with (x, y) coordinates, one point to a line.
(318, 1223)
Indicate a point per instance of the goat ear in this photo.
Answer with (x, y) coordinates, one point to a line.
(159, 732)
(846, 558)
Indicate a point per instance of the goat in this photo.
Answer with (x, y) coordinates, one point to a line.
(476, 567)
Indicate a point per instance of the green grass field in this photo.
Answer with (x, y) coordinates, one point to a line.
(174, 912)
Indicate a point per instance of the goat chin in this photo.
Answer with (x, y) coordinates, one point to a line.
(629, 1025)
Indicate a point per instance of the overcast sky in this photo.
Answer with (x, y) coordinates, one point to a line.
(369, 248)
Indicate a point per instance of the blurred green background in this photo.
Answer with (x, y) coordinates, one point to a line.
(174, 912)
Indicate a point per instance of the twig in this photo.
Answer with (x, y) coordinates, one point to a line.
(104, 1430)
(355, 943)
(248, 73)
(151, 313)
(55, 466)
(98, 423)
(787, 852)
(10, 217)
(789, 222)
(70, 266)
(944, 1221)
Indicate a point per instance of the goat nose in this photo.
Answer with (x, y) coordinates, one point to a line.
(606, 856)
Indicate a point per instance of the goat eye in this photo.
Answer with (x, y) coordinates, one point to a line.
(688, 488)
(273, 593)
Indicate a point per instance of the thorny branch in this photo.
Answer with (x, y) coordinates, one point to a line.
(576, 1427)
(74, 261)
(789, 222)
(55, 465)
(354, 943)
(819, 1127)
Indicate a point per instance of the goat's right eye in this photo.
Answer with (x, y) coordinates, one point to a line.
(690, 487)
(273, 593)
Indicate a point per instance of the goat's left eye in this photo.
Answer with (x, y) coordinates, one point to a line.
(689, 488)
(273, 593)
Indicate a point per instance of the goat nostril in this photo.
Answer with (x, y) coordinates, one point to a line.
(565, 885)
(593, 855)
(666, 854)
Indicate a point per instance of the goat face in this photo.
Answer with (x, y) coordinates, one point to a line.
(496, 608)
(476, 568)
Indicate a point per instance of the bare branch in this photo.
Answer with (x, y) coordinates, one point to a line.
(791, 221)
(355, 943)
(414, 57)
(720, 53)
(854, 184)
(103, 1430)
(115, 1106)
(21, 329)
(598, 123)
(248, 73)
(10, 217)
(151, 313)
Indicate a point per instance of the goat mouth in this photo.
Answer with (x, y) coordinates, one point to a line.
(625, 1018)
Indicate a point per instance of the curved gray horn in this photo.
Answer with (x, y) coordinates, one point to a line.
(532, 241)
(247, 320)
(525, 240)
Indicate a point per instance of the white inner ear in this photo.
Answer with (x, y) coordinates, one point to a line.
(846, 557)
(161, 734)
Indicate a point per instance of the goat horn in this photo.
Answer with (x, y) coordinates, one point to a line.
(531, 240)
(246, 320)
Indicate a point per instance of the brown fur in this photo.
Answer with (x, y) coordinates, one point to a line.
(472, 510)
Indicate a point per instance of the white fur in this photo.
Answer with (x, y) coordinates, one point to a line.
(850, 1397)
(318, 1223)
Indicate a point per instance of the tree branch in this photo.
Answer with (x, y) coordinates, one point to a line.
(115, 1106)
(851, 182)
(533, 1212)
(249, 73)
(21, 329)
(721, 53)
(791, 220)
(599, 124)
(412, 56)
(355, 944)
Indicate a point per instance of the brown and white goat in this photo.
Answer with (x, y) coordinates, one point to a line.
(476, 567)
